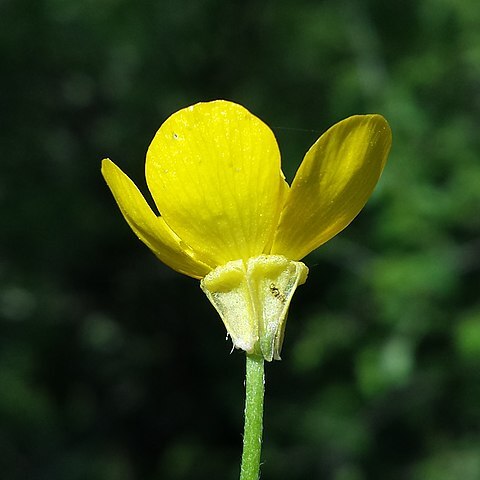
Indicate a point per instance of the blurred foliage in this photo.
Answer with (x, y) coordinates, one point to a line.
(113, 367)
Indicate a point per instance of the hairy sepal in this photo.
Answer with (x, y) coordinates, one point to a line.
(252, 298)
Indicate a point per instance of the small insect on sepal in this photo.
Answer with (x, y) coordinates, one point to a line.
(277, 293)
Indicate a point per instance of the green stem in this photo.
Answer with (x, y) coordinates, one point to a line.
(252, 436)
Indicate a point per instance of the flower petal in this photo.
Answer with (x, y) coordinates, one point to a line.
(333, 183)
(150, 229)
(214, 172)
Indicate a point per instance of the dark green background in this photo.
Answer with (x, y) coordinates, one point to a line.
(113, 367)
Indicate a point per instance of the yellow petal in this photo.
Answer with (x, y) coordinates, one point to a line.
(149, 228)
(214, 172)
(333, 183)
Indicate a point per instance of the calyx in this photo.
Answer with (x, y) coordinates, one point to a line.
(252, 298)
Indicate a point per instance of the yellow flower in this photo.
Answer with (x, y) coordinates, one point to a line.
(228, 217)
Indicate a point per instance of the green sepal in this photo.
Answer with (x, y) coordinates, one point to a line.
(252, 299)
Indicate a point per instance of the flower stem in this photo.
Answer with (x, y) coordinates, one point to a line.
(252, 436)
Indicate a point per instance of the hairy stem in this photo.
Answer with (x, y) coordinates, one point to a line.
(252, 436)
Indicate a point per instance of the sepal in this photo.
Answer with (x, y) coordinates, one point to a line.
(252, 298)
